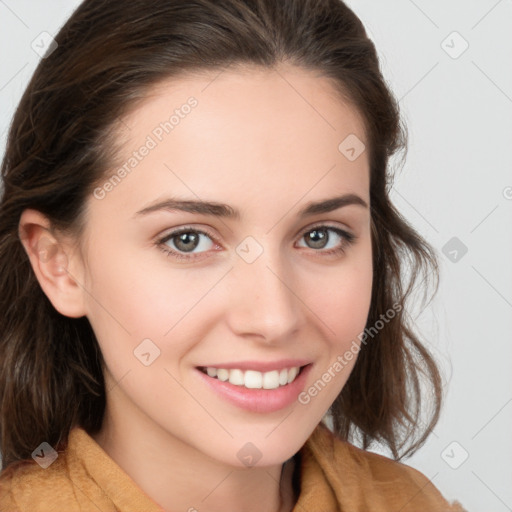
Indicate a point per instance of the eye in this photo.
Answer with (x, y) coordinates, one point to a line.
(319, 238)
(182, 243)
(188, 243)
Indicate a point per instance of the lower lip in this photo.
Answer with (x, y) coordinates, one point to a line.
(258, 400)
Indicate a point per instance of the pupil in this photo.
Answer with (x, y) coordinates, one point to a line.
(188, 241)
(319, 238)
(186, 238)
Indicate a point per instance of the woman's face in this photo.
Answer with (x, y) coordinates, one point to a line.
(262, 280)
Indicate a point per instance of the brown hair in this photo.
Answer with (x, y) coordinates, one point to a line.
(60, 146)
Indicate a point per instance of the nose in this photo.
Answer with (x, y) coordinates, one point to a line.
(263, 300)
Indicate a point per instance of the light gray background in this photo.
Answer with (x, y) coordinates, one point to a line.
(457, 182)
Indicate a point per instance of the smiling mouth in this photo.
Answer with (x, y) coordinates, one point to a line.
(253, 379)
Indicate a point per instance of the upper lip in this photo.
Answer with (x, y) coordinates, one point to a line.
(260, 366)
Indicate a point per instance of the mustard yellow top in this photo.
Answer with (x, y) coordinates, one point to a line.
(335, 476)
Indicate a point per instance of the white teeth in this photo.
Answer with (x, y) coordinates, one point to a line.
(271, 380)
(236, 377)
(255, 380)
(292, 374)
(222, 374)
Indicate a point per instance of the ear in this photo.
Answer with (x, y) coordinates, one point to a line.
(55, 265)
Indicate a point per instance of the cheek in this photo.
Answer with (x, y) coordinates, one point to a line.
(347, 308)
(343, 302)
(132, 299)
(343, 311)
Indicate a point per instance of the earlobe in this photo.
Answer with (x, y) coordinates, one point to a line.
(54, 269)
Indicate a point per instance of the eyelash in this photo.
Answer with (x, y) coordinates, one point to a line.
(347, 240)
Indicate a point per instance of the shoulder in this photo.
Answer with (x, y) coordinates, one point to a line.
(65, 484)
(26, 483)
(366, 477)
(82, 477)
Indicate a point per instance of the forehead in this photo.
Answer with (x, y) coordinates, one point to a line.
(239, 134)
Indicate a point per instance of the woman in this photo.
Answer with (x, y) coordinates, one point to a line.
(200, 260)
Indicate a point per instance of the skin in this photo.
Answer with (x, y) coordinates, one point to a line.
(266, 143)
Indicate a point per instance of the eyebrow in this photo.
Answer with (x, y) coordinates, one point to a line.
(224, 210)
